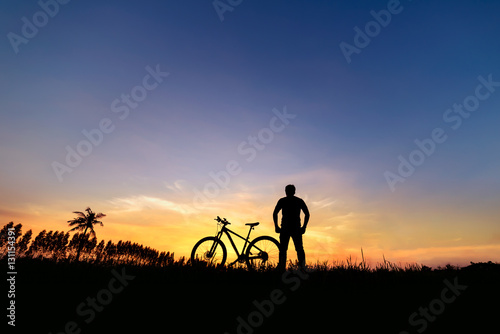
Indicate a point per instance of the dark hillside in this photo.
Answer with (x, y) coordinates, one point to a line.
(53, 296)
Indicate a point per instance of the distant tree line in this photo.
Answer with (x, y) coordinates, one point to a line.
(59, 246)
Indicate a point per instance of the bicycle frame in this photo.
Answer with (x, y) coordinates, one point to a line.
(227, 231)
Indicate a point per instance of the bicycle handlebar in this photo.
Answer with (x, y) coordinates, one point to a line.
(222, 220)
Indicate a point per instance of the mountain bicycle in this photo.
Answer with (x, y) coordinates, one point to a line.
(262, 252)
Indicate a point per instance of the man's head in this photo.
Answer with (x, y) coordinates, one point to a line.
(290, 190)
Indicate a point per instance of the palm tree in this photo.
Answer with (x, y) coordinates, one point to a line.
(85, 222)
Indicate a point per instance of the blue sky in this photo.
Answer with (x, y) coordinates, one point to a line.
(352, 120)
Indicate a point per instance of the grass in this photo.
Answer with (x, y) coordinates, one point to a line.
(171, 295)
(196, 298)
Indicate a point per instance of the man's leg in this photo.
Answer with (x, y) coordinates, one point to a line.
(284, 240)
(299, 247)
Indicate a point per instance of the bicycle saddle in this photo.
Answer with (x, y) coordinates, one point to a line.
(253, 224)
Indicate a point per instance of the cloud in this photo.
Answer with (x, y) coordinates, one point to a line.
(323, 203)
(177, 186)
(142, 202)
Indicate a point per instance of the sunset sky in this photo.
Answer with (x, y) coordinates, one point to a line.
(165, 114)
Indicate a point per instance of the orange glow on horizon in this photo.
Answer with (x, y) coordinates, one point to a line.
(173, 231)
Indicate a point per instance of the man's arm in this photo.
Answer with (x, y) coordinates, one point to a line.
(306, 215)
(275, 217)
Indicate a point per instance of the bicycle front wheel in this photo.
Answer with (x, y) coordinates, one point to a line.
(209, 251)
(262, 253)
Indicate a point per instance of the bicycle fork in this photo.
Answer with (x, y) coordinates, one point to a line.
(211, 252)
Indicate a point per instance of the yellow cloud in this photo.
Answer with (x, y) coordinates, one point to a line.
(142, 202)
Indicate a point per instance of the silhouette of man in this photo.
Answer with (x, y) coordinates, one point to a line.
(290, 207)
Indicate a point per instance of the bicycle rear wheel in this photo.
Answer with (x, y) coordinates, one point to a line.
(209, 251)
(263, 253)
